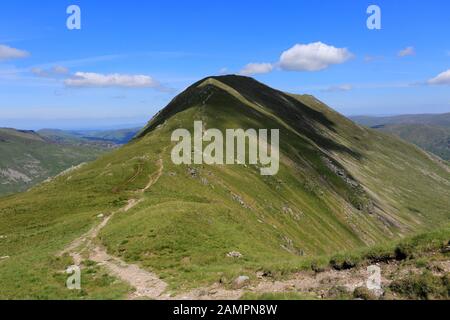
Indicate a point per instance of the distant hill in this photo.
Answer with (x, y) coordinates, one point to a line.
(442, 120)
(431, 132)
(100, 137)
(28, 157)
(134, 215)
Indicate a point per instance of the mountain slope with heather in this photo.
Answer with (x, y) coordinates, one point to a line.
(340, 187)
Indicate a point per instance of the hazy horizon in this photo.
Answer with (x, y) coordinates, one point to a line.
(119, 122)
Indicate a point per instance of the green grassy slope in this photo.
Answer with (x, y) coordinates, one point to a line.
(340, 187)
(27, 158)
(430, 132)
(435, 139)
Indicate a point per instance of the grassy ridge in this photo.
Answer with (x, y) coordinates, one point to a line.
(194, 215)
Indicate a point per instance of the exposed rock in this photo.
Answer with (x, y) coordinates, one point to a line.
(65, 172)
(288, 241)
(288, 210)
(446, 249)
(340, 172)
(296, 215)
(239, 199)
(234, 254)
(193, 172)
(241, 282)
(14, 175)
(100, 216)
(290, 247)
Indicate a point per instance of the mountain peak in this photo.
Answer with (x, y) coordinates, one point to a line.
(300, 113)
(228, 77)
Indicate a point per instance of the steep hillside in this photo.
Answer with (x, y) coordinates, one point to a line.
(27, 158)
(340, 187)
(442, 120)
(435, 139)
(430, 132)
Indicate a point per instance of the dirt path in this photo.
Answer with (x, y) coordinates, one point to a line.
(146, 284)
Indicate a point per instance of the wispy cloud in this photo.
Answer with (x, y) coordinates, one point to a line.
(119, 97)
(339, 88)
(409, 51)
(97, 80)
(73, 63)
(56, 71)
(9, 53)
(81, 62)
(349, 87)
(441, 79)
(256, 68)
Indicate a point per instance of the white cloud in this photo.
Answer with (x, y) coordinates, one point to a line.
(54, 72)
(88, 79)
(442, 79)
(256, 68)
(8, 53)
(409, 51)
(339, 88)
(313, 57)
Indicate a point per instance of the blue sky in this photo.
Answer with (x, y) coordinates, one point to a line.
(54, 77)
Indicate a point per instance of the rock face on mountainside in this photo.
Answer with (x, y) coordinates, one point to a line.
(339, 187)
